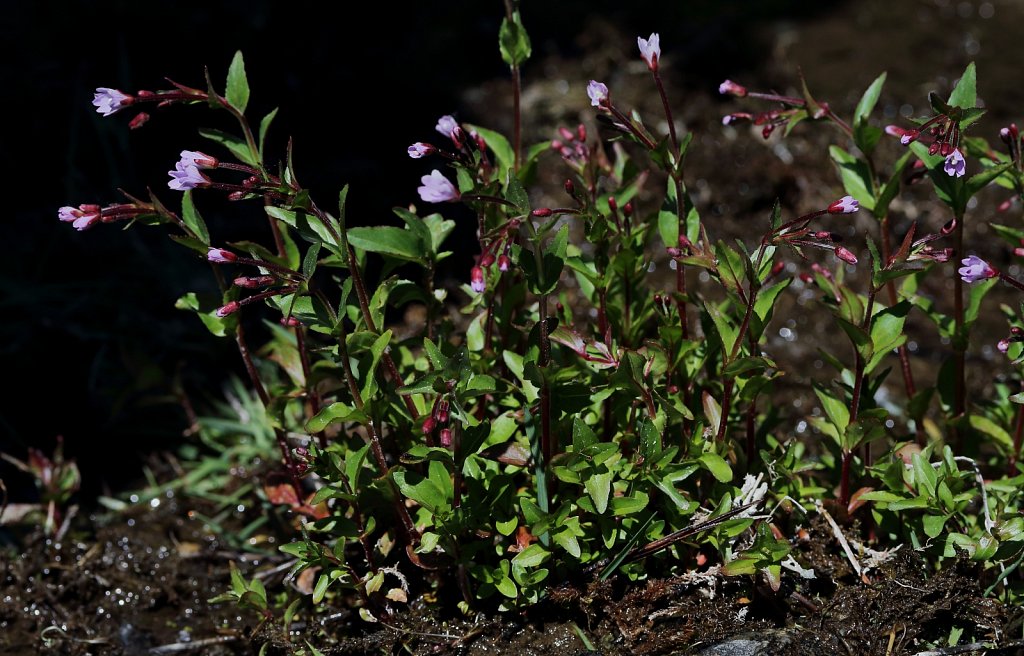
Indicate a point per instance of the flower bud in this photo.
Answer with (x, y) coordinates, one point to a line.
(1016, 331)
(230, 308)
(476, 279)
(487, 259)
(945, 149)
(627, 209)
(1005, 205)
(845, 255)
(732, 89)
(254, 282)
(140, 119)
(429, 425)
(446, 437)
(1003, 345)
(612, 203)
(581, 132)
(290, 322)
(504, 263)
(570, 188)
(566, 133)
(542, 212)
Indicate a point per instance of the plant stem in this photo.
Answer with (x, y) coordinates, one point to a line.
(680, 269)
(1018, 433)
(890, 288)
(959, 346)
(311, 392)
(261, 392)
(668, 112)
(375, 447)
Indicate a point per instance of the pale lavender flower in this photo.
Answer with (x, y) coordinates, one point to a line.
(650, 50)
(447, 125)
(732, 89)
(220, 255)
(186, 176)
(975, 269)
(1003, 345)
(598, 93)
(107, 101)
(420, 149)
(955, 165)
(437, 188)
(845, 205)
(68, 213)
(197, 159)
(86, 221)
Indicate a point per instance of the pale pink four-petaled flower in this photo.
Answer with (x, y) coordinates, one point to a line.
(845, 205)
(732, 89)
(198, 159)
(975, 269)
(597, 92)
(420, 149)
(437, 188)
(81, 217)
(955, 165)
(107, 101)
(650, 50)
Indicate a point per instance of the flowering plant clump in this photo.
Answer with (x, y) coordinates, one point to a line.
(581, 420)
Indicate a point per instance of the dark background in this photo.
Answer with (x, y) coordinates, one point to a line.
(90, 341)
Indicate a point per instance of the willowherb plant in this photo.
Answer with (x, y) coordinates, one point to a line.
(564, 431)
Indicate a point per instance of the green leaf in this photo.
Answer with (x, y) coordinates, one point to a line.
(855, 175)
(892, 185)
(335, 412)
(993, 430)
(925, 476)
(887, 332)
(264, 126)
(238, 86)
(835, 408)
(531, 556)
(965, 93)
(376, 351)
(437, 359)
(423, 491)
(712, 411)
(516, 194)
(629, 505)
(599, 487)
(513, 41)
(865, 136)
(933, 524)
(717, 465)
(236, 145)
(582, 435)
(728, 332)
(388, 240)
(190, 215)
(978, 181)
(499, 144)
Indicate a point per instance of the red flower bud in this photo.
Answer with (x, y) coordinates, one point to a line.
(845, 255)
(230, 308)
(542, 212)
(570, 188)
(140, 119)
(487, 259)
(446, 437)
(504, 263)
(581, 132)
(429, 425)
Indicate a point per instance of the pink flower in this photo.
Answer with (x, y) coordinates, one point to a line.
(230, 308)
(732, 89)
(975, 269)
(437, 188)
(446, 437)
(1003, 345)
(650, 50)
(107, 101)
(906, 136)
(197, 159)
(81, 218)
(186, 176)
(220, 255)
(504, 263)
(420, 149)
(476, 279)
(845, 205)
(955, 165)
(598, 93)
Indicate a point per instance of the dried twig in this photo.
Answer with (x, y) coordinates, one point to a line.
(838, 533)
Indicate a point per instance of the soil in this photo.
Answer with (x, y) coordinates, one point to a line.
(138, 583)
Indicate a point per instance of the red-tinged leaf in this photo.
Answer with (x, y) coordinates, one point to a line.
(282, 494)
(857, 500)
